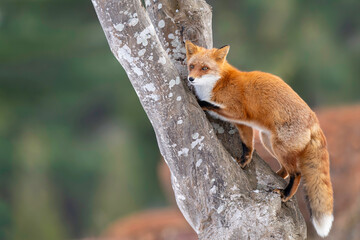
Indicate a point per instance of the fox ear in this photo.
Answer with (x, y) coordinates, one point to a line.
(191, 49)
(221, 53)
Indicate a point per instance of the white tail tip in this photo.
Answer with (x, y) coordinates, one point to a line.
(323, 224)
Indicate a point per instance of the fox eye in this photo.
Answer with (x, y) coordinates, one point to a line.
(204, 68)
(191, 66)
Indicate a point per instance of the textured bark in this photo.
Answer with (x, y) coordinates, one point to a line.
(217, 197)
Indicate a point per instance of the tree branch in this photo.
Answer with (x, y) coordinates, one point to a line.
(217, 197)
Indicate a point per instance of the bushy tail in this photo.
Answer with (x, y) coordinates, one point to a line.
(316, 174)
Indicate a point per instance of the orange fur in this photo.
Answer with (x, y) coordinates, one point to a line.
(290, 130)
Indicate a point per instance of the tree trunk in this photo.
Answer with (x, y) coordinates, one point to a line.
(218, 198)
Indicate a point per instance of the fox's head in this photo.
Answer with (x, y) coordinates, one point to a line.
(205, 65)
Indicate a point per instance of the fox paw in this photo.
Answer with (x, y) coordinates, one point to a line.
(284, 198)
(244, 160)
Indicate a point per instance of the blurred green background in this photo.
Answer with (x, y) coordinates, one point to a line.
(76, 149)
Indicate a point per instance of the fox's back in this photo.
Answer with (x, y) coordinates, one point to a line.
(268, 98)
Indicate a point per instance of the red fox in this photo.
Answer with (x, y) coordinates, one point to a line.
(289, 129)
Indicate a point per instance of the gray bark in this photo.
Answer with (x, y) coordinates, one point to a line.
(218, 198)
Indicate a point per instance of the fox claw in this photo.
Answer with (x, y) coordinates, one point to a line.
(282, 195)
(244, 160)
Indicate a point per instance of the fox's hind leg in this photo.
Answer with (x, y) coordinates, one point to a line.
(265, 140)
(293, 184)
(282, 172)
(288, 161)
(291, 188)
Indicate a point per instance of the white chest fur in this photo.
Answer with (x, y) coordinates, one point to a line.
(204, 86)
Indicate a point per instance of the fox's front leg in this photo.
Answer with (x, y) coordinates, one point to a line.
(247, 135)
(207, 106)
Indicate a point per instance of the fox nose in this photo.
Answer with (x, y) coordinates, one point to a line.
(191, 79)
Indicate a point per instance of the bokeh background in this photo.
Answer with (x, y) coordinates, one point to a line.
(77, 151)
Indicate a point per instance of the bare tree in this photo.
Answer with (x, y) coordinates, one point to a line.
(218, 198)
